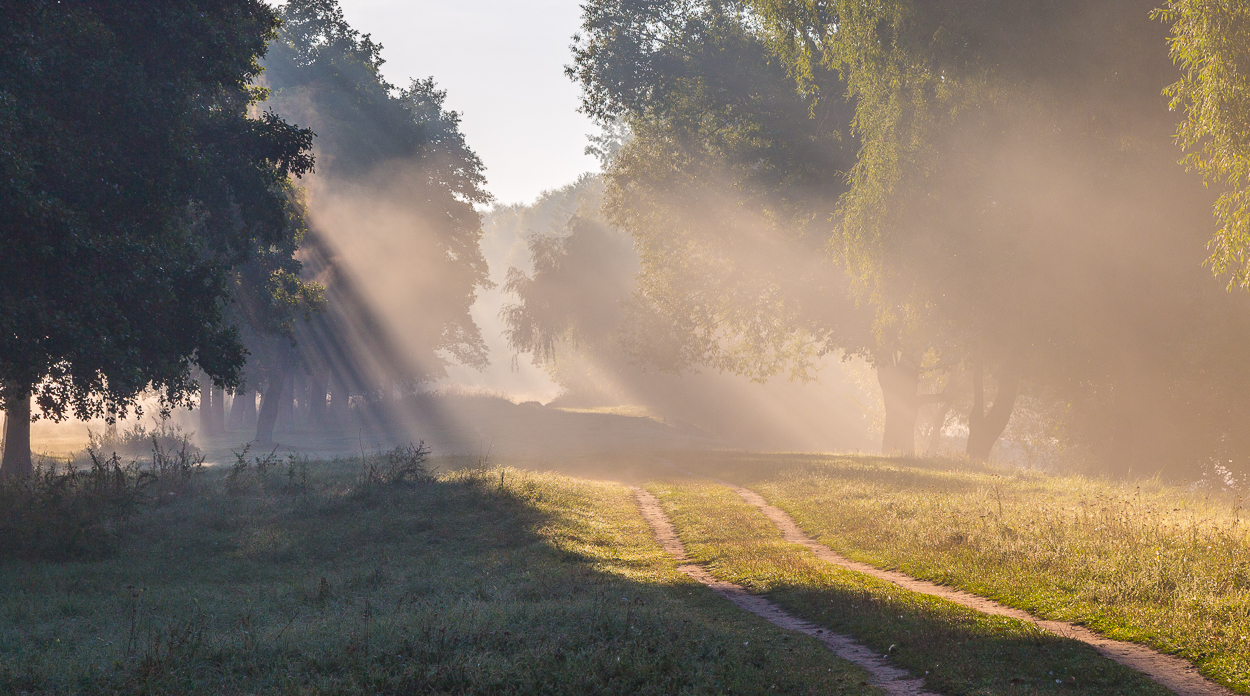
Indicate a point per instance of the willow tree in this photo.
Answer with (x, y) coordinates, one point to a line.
(1013, 185)
(134, 176)
(726, 185)
(1211, 43)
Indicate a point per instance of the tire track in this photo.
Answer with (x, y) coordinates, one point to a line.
(1168, 670)
(892, 680)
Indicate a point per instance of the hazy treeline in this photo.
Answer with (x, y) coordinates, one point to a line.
(394, 172)
(983, 199)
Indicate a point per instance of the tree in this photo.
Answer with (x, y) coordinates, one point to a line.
(394, 171)
(133, 180)
(1014, 191)
(1211, 42)
(728, 188)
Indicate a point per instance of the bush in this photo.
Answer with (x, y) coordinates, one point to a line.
(64, 512)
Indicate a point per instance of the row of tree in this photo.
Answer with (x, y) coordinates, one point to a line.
(981, 198)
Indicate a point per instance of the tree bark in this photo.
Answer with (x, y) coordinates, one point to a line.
(985, 427)
(277, 392)
(206, 402)
(317, 388)
(16, 458)
(945, 401)
(243, 410)
(217, 411)
(339, 401)
(900, 387)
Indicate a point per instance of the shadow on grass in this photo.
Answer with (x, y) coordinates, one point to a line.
(296, 577)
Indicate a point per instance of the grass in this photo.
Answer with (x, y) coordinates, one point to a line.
(1139, 561)
(296, 577)
(957, 650)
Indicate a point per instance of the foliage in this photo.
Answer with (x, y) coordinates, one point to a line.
(1210, 40)
(75, 513)
(572, 303)
(401, 147)
(724, 186)
(134, 178)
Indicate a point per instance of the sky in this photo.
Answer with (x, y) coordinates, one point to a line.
(502, 64)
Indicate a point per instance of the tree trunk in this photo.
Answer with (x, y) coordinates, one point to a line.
(286, 404)
(249, 409)
(944, 401)
(206, 402)
(217, 411)
(339, 401)
(16, 459)
(277, 392)
(317, 388)
(900, 390)
(984, 428)
(939, 424)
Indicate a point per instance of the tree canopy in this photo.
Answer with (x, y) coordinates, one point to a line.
(136, 174)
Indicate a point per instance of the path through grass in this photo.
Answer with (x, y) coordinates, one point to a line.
(1138, 561)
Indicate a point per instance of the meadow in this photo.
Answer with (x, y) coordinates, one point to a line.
(1159, 564)
(370, 575)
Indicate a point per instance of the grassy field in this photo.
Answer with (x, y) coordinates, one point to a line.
(1141, 561)
(308, 578)
(958, 650)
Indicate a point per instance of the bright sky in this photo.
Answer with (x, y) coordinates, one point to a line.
(502, 64)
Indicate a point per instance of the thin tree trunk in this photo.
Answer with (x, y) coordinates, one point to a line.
(985, 427)
(317, 388)
(16, 458)
(947, 399)
(234, 420)
(206, 411)
(217, 411)
(277, 392)
(339, 401)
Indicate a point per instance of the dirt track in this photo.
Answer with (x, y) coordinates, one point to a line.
(892, 680)
(1172, 672)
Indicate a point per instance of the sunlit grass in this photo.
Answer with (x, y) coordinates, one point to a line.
(956, 649)
(303, 580)
(1143, 561)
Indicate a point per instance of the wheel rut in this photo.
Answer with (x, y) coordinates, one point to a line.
(1167, 670)
(892, 680)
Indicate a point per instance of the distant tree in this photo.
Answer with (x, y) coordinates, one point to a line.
(572, 303)
(1210, 40)
(728, 187)
(374, 139)
(133, 177)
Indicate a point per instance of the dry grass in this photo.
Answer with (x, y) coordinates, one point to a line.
(957, 650)
(1141, 561)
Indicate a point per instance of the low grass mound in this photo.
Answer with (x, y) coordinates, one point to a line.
(1142, 561)
(289, 576)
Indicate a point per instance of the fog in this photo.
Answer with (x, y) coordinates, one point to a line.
(1032, 268)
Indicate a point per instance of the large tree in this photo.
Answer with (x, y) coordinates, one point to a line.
(1210, 40)
(729, 186)
(1015, 184)
(135, 175)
